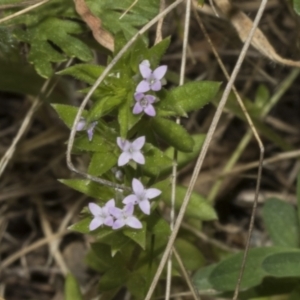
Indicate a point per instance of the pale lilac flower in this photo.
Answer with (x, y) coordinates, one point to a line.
(101, 215)
(151, 79)
(125, 217)
(144, 103)
(141, 196)
(131, 151)
(82, 125)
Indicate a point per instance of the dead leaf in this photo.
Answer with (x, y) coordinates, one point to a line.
(243, 24)
(102, 36)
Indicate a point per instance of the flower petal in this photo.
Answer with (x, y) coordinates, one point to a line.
(128, 209)
(116, 212)
(130, 199)
(156, 86)
(90, 130)
(121, 143)
(95, 209)
(133, 222)
(145, 207)
(152, 193)
(118, 224)
(138, 157)
(138, 96)
(124, 158)
(110, 204)
(150, 110)
(138, 143)
(137, 187)
(137, 109)
(150, 98)
(143, 87)
(109, 221)
(96, 222)
(160, 72)
(145, 70)
(80, 125)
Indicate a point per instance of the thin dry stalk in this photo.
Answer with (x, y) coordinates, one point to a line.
(158, 36)
(202, 156)
(92, 90)
(128, 9)
(186, 276)
(174, 168)
(23, 11)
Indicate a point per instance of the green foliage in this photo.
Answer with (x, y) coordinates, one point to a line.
(269, 270)
(59, 32)
(198, 206)
(296, 4)
(72, 289)
(282, 223)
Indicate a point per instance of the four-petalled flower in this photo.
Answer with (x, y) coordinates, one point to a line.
(101, 215)
(141, 196)
(125, 217)
(131, 151)
(82, 125)
(144, 103)
(151, 79)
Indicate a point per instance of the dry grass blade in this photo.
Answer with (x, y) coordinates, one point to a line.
(102, 36)
(202, 155)
(242, 23)
(23, 11)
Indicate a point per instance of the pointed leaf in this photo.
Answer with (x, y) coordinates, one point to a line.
(194, 95)
(84, 72)
(72, 289)
(198, 206)
(282, 223)
(102, 162)
(90, 188)
(285, 264)
(173, 134)
(137, 235)
(224, 276)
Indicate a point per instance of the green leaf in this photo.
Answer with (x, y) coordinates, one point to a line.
(90, 188)
(59, 32)
(102, 162)
(184, 158)
(156, 161)
(198, 207)
(224, 276)
(194, 95)
(98, 143)
(114, 278)
(126, 118)
(282, 223)
(155, 54)
(82, 226)
(201, 280)
(173, 134)
(191, 257)
(99, 258)
(295, 295)
(137, 235)
(261, 98)
(105, 105)
(296, 4)
(285, 264)
(85, 72)
(67, 113)
(110, 13)
(72, 289)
